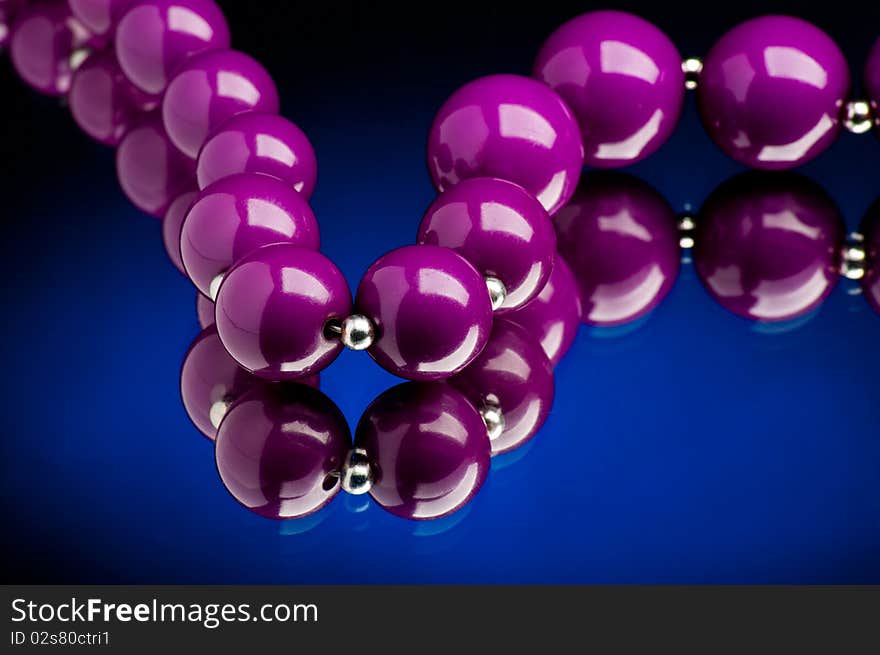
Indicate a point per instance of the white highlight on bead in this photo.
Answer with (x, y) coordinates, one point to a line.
(214, 287)
(686, 227)
(853, 261)
(691, 67)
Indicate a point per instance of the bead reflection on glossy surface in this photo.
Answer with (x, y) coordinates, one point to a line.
(771, 92)
(620, 238)
(280, 448)
(623, 79)
(273, 307)
(431, 311)
(768, 245)
(155, 36)
(235, 216)
(211, 88)
(500, 228)
(99, 16)
(204, 310)
(512, 372)
(429, 447)
(254, 142)
(172, 224)
(509, 127)
(870, 230)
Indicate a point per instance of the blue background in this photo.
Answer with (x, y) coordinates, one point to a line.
(691, 447)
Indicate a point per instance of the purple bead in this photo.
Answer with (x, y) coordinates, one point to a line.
(151, 171)
(872, 82)
(235, 216)
(8, 11)
(43, 38)
(211, 88)
(155, 36)
(273, 307)
(554, 316)
(204, 310)
(253, 142)
(102, 101)
(280, 448)
(513, 373)
(210, 380)
(100, 17)
(623, 79)
(768, 246)
(510, 127)
(431, 309)
(870, 229)
(172, 224)
(500, 228)
(429, 447)
(620, 238)
(771, 91)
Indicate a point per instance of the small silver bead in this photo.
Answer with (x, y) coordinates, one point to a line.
(218, 411)
(686, 227)
(357, 472)
(356, 331)
(497, 292)
(854, 258)
(493, 418)
(858, 117)
(691, 67)
(214, 287)
(77, 57)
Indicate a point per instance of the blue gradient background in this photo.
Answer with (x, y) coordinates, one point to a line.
(692, 447)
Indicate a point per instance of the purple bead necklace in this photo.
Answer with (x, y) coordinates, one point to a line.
(478, 312)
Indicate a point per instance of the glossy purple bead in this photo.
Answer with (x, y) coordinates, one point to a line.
(8, 11)
(431, 309)
(500, 228)
(254, 142)
(151, 171)
(280, 448)
(210, 381)
(155, 36)
(510, 127)
(235, 216)
(768, 246)
(204, 311)
(211, 88)
(100, 17)
(870, 229)
(172, 224)
(620, 238)
(273, 307)
(103, 102)
(872, 82)
(514, 373)
(623, 79)
(43, 37)
(554, 315)
(771, 91)
(429, 447)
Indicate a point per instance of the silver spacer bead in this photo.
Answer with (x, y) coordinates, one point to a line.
(356, 332)
(218, 411)
(493, 418)
(686, 227)
(497, 292)
(77, 57)
(858, 117)
(357, 472)
(854, 259)
(214, 287)
(691, 67)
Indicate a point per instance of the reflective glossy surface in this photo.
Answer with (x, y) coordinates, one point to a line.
(623, 79)
(154, 37)
(172, 224)
(500, 228)
(510, 127)
(554, 315)
(431, 310)
(43, 37)
(620, 238)
(151, 171)
(210, 88)
(771, 91)
(235, 216)
(254, 142)
(204, 310)
(768, 246)
(429, 448)
(102, 101)
(8, 10)
(278, 449)
(273, 306)
(514, 373)
(99, 16)
(872, 82)
(870, 229)
(210, 380)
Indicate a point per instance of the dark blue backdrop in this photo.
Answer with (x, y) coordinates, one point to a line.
(692, 447)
